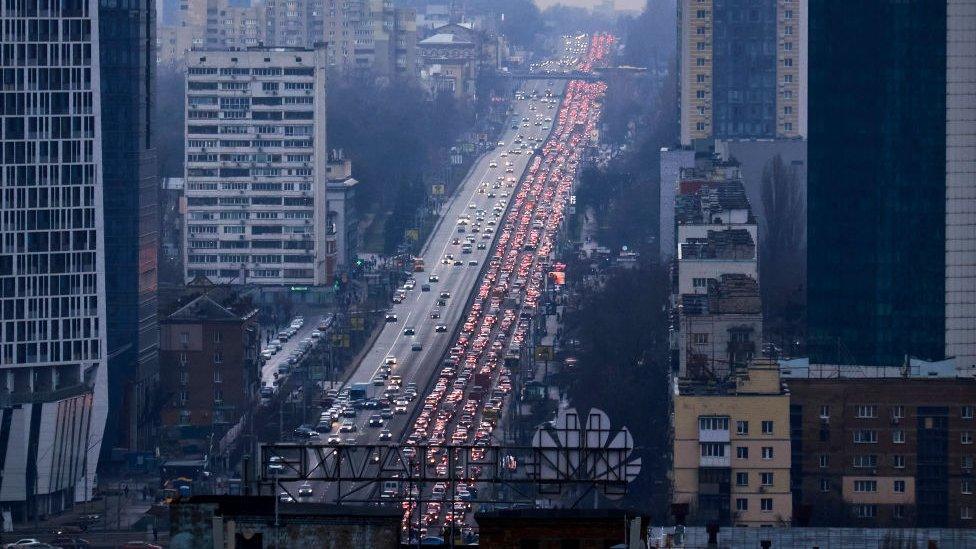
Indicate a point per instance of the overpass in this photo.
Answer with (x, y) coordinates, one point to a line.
(598, 74)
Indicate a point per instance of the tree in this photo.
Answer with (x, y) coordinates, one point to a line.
(782, 257)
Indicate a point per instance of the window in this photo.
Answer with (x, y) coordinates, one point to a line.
(218, 358)
(824, 412)
(900, 486)
(700, 78)
(898, 461)
(184, 338)
(700, 94)
(217, 337)
(866, 460)
(742, 427)
(700, 126)
(966, 512)
(700, 61)
(824, 485)
(865, 436)
(713, 423)
(766, 505)
(699, 339)
(967, 462)
(898, 512)
(897, 412)
(712, 449)
(699, 282)
(824, 461)
(742, 479)
(766, 479)
(865, 511)
(767, 427)
(767, 452)
(966, 437)
(966, 486)
(866, 411)
(865, 486)
(742, 452)
(898, 436)
(741, 504)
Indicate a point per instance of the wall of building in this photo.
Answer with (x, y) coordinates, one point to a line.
(935, 458)
(672, 162)
(754, 409)
(960, 284)
(715, 351)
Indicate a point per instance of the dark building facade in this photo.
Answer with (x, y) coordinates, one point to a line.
(876, 181)
(127, 39)
(744, 68)
(210, 371)
(883, 452)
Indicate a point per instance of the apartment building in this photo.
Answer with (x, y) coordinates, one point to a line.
(343, 218)
(882, 447)
(721, 330)
(53, 346)
(211, 374)
(742, 68)
(731, 449)
(256, 167)
(370, 38)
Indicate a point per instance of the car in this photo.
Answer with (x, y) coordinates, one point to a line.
(347, 427)
(417, 346)
(435, 314)
(433, 278)
(409, 331)
(455, 242)
(375, 420)
(386, 413)
(445, 295)
(400, 409)
(441, 302)
(23, 542)
(385, 434)
(440, 328)
(472, 263)
(285, 497)
(472, 206)
(390, 360)
(333, 439)
(425, 288)
(305, 490)
(390, 317)
(458, 263)
(482, 245)
(379, 381)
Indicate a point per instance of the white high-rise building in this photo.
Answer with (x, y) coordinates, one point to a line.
(256, 167)
(960, 280)
(53, 378)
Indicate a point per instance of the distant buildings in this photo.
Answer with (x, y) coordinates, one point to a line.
(370, 38)
(742, 68)
(449, 60)
(54, 341)
(892, 272)
(255, 168)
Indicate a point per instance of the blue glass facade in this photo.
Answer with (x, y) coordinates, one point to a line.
(876, 181)
(131, 205)
(744, 73)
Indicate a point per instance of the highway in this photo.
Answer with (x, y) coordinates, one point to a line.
(417, 366)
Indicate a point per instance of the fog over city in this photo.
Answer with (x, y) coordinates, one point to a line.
(489, 273)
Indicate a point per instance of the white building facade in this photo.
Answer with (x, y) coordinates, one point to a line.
(960, 312)
(256, 167)
(53, 371)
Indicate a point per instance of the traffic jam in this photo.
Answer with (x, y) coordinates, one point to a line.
(473, 383)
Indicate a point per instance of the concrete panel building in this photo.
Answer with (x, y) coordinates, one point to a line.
(256, 167)
(731, 449)
(53, 345)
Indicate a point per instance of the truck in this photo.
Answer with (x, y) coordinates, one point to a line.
(418, 264)
(360, 391)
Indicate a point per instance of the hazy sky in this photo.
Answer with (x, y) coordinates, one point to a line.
(621, 4)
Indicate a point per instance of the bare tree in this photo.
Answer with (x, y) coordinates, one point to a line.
(782, 254)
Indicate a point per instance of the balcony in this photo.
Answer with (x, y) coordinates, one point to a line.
(714, 435)
(714, 461)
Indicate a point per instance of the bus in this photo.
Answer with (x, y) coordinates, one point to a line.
(418, 264)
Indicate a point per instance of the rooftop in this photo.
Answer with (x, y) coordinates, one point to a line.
(799, 368)
(444, 39)
(721, 244)
(731, 294)
(702, 201)
(204, 308)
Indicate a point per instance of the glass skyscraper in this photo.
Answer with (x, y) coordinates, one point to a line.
(128, 60)
(876, 181)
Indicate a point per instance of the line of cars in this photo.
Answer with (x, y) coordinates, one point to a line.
(286, 365)
(474, 381)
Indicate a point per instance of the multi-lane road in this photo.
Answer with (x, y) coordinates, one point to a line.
(476, 192)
